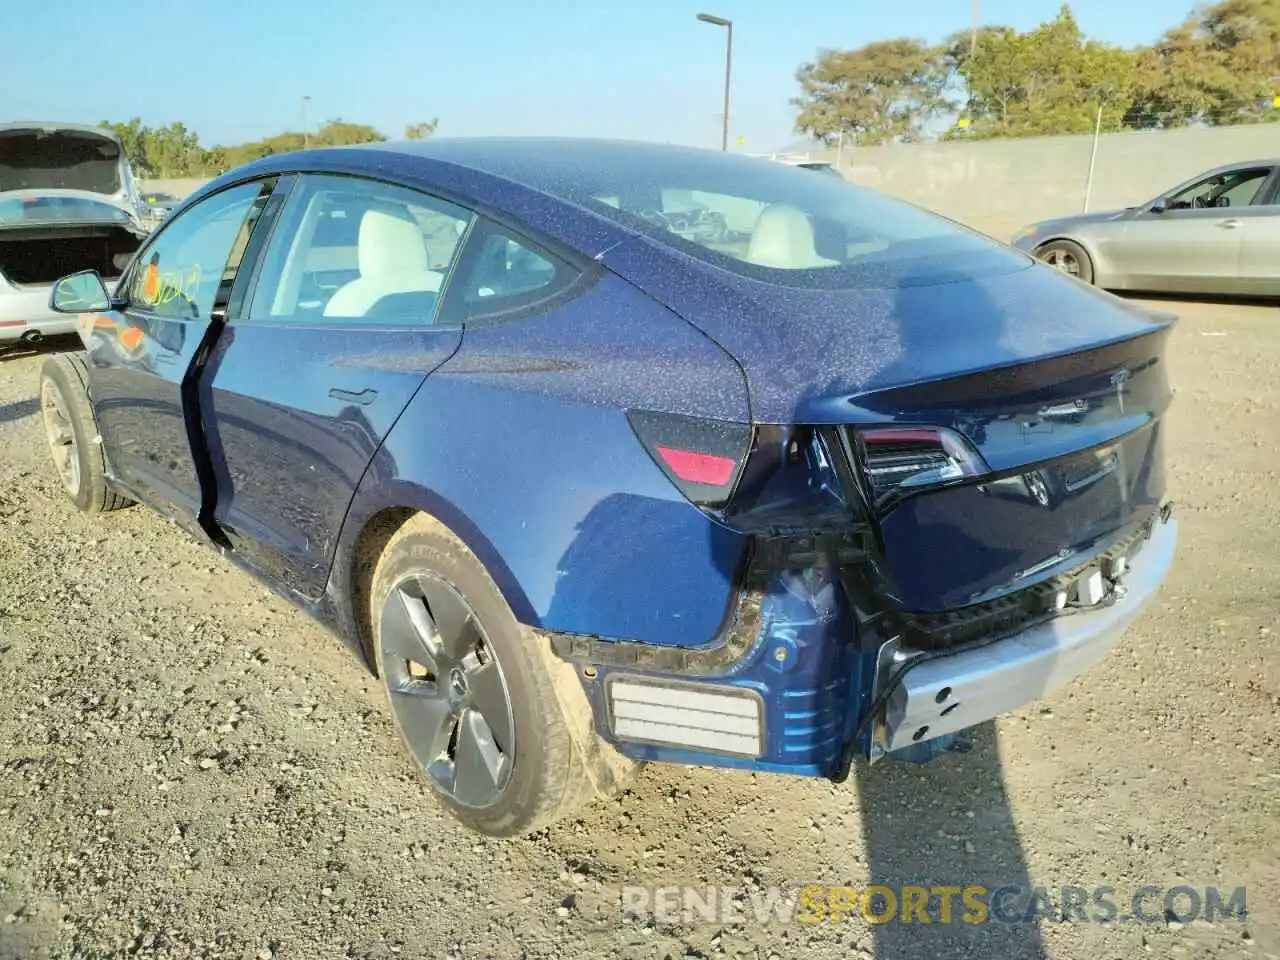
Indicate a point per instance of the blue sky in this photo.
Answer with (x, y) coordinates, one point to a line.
(645, 69)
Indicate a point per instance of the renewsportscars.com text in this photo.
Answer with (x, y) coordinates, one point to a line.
(942, 904)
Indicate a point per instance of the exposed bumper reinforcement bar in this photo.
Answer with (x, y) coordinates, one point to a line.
(948, 693)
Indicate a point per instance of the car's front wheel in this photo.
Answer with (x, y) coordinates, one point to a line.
(478, 703)
(67, 415)
(1069, 257)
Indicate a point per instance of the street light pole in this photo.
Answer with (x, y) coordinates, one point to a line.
(728, 70)
(306, 137)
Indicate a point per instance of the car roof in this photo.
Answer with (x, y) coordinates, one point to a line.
(1239, 165)
(530, 180)
(542, 163)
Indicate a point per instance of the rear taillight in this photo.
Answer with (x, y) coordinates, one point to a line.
(905, 458)
(702, 457)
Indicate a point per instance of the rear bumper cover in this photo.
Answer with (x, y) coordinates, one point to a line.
(944, 694)
(25, 310)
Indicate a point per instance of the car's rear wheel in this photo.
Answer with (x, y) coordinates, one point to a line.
(72, 435)
(484, 712)
(1069, 257)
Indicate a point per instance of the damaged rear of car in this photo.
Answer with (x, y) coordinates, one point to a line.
(951, 489)
(68, 202)
(749, 468)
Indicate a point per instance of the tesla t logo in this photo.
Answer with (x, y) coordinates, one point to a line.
(1118, 380)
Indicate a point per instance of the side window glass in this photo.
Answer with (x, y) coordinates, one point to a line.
(501, 274)
(182, 273)
(1244, 190)
(346, 249)
(1238, 189)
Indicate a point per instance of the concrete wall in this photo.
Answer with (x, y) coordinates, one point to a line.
(1001, 185)
(179, 188)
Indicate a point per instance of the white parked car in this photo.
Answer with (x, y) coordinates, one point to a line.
(801, 160)
(68, 202)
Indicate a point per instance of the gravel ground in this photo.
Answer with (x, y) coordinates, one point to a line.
(193, 769)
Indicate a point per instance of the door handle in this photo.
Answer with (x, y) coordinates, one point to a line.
(364, 397)
(1229, 224)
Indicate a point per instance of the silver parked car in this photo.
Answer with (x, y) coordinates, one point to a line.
(68, 202)
(1216, 234)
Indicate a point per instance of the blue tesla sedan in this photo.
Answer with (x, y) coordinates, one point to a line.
(601, 453)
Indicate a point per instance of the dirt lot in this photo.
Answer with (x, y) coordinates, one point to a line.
(191, 769)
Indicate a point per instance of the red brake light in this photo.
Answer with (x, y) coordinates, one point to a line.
(702, 457)
(910, 457)
(699, 467)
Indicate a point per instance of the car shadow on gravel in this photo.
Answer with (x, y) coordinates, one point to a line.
(1173, 299)
(946, 826)
(18, 410)
(49, 345)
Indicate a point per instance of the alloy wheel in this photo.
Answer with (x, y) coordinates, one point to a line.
(447, 690)
(1063, 260)
(61, 435)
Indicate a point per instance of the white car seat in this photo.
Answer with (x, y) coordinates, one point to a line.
(783, 238)
(392, 259)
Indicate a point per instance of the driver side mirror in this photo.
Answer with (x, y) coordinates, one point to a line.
(1159, 206)
(82, 292)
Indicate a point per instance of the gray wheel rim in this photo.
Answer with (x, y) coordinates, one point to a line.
(447, 691)
(61, 436)
(1064, 260)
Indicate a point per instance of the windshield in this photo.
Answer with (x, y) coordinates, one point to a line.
(57, 209)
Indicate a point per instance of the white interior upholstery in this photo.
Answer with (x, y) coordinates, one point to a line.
(392, 258)
(783, 238)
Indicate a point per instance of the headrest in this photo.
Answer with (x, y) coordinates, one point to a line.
(783, 238)
(390, 242)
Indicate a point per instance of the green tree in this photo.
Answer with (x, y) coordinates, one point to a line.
(133, 136)
(338, 133)
(420, 131)
(1216, 67)
(1050, 80)
(884, 92)
(175, 151)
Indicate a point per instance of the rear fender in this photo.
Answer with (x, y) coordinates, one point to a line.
(521, 445)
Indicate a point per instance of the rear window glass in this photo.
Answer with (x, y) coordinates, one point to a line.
(782, 220)
(772, 221)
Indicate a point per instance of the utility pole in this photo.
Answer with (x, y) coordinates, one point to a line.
(306, 137)
(1093, 157)
(973, 29)
(728, 70)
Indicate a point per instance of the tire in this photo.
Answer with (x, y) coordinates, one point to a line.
(535, 764)
(1069, 257)
(72, 433)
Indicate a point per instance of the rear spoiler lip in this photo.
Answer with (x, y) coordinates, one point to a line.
(1157, 330)
(957, 389)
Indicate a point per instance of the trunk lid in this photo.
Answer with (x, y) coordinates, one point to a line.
(1058, 387)
(1073, 447)
(60, 157)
